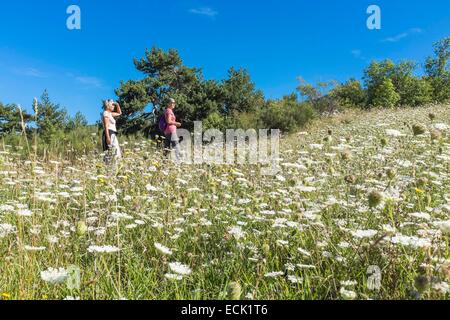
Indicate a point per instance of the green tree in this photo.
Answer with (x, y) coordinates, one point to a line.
(416, 92)
(318, 96)
(384, 95)
(165, 76)
(51, 118)
(411, 90)
(375, 76)
(286, 114)
(10, 120)
(350, 94)
(198, 101)
(240, 94)
(78, 121)
(437, 70)
(133, 99)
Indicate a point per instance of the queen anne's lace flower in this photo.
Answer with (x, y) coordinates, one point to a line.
(5, 229)
(54, 276)
(163, 249)
(103, 249)
(180, 269)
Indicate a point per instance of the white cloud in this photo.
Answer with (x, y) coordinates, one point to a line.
(205, 11)
(403, 35)
(90, 81)
(356, 53)
(359, 55)
(29, 72)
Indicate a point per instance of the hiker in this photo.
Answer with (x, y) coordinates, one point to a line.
(110, 142)
(169, 125)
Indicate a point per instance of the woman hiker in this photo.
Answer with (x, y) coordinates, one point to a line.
(110, 141)
(171, 138)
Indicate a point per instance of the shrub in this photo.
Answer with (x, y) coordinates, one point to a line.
(416, 92)
(350, 94)
(440, 88)
(411, 90)
(214, 121)
(384, 95)
(286, 114)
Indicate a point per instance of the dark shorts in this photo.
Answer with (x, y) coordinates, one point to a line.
(104, 144)
(171, 141)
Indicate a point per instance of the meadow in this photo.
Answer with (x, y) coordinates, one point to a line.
(359, 210)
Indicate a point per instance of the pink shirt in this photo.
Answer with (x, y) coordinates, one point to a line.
(170, 117)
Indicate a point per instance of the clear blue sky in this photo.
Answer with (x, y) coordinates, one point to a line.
(275, 40)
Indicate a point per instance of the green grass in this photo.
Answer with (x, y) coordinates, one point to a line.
(277, 215)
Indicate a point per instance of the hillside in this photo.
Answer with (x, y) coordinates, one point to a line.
(360, 210)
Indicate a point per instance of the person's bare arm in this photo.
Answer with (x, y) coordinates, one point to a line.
(118, 112)
(106, 126)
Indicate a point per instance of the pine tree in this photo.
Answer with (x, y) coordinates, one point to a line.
(51, 118)
(10, 120)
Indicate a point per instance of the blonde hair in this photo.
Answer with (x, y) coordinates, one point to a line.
(106, 103)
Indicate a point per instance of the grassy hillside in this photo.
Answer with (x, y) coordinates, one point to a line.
(360, 210)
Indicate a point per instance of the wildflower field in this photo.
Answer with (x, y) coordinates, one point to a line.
(359, 210)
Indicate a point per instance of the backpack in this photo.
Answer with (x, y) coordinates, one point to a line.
(162, 123)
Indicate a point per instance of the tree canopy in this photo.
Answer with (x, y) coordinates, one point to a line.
(165, 75)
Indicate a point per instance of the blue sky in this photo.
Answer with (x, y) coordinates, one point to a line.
(277, 41)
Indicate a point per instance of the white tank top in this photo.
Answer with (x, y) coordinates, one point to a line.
(112, 121)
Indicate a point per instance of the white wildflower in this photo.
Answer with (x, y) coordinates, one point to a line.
(54, 276)
(444, 226)
(163, 249)
(103, 249)
(6, 208)
(236, 232)
(294, 279)
(306, 188)
(394, 133)
(6, 229)
(120, 216)
(179, 268)
(420, 215)
(442, 287)
(412, 241)
(360, 234)
(304, 252)
(441, 126)
(347, 294)
(274, 274)
(172, 276)
(149, 188)
(316, 146)
(31, 248)
(24, 213)
(282, 243)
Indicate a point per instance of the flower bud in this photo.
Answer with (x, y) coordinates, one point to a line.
(419, 129)
(375, 199)
(234, 291)
(81, 228)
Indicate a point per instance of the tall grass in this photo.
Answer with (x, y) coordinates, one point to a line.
(307, 233)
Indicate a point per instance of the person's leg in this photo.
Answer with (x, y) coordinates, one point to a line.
(175, 142)
(116, 146)
(167, 144)
(105, 149)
